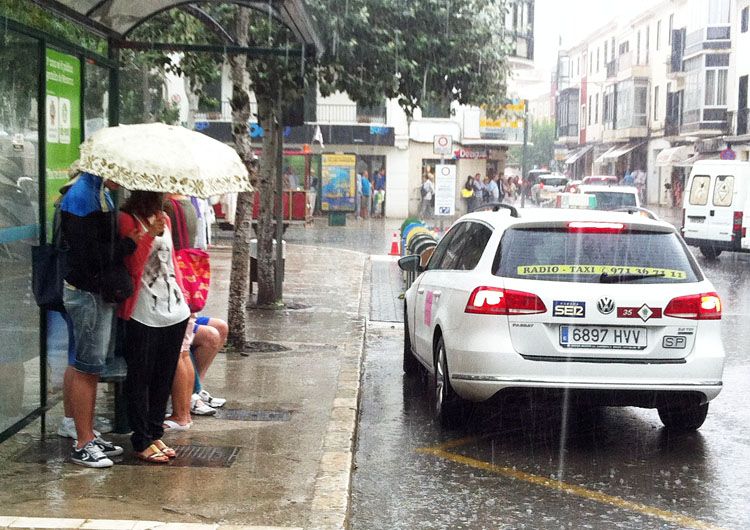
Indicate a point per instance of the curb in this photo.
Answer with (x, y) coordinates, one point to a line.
(331, 496)
(117, 524)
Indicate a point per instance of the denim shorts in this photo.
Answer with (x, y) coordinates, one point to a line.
(93, 328)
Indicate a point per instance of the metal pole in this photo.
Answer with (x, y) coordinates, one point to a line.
(42, 155)
(279, 265)
(525, 152)
(114, 84)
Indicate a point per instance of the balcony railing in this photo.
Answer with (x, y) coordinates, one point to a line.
(326, 113)
(611, 69)
(707, 38)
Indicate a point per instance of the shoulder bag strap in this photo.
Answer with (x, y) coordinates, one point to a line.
(179, 217)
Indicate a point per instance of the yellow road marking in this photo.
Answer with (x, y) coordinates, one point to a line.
(571, 489)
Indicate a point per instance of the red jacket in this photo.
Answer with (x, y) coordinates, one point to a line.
(136, 262)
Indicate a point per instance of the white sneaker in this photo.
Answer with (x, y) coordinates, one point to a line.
(211, 401)
(67, 429)
(199, 408)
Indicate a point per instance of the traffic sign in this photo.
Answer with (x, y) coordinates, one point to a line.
(728, 154)
(442, 144)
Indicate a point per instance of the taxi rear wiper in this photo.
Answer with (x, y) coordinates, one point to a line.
(622, 278)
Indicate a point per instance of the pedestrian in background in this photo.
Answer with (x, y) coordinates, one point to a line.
(476, 200)
(493, 191)
(467, 192)
(427, 191)
(366, 195)
(156, 318)
(358, 196)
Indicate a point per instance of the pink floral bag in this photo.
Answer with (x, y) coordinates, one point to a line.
(193, 263)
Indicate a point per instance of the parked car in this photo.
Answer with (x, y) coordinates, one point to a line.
(572, 186)
(612, 197)
(600, 179)
(716, 207)
(606, 307)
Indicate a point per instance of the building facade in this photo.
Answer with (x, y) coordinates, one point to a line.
(656, 93)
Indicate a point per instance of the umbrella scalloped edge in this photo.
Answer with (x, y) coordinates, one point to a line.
(135, 180)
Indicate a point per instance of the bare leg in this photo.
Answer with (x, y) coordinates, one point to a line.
(208, 341)
(68, 391)
(182, 389)
(83, 399)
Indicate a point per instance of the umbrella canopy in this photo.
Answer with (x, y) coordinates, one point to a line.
(164, 158)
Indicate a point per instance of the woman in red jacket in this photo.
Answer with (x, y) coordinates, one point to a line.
(157, 315)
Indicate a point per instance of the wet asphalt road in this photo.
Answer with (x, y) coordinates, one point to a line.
(505, 467)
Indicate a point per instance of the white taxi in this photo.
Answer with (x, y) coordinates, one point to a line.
(608, 306)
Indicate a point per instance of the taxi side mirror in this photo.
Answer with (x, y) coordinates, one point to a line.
(410, 264)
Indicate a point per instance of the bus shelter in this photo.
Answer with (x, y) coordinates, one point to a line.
(56, 88)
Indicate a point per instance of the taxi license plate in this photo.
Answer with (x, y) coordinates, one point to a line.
(604, 338)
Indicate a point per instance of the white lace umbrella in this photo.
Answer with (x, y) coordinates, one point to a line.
(164, 158)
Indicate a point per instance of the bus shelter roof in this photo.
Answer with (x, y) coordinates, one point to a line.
(115, 19)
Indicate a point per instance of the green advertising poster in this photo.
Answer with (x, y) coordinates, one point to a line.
(63, 108)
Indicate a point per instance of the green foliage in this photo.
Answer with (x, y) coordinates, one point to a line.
(31, 15)
(541, 149)
(420, 52)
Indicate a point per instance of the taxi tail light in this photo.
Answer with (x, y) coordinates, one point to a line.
(706, 306)
(497, 301)
(595, 228)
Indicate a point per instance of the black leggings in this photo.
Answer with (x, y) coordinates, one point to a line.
(151, 355)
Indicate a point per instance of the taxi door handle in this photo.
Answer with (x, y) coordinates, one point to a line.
(420, 290)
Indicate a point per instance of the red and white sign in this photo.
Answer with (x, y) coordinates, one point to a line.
(728, 154)
(442, 144)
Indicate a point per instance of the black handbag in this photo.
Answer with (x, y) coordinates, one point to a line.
(115, 284)
(48, 269)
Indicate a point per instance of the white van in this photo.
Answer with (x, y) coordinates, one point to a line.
(716, 209)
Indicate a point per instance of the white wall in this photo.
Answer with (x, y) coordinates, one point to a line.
(397, 184)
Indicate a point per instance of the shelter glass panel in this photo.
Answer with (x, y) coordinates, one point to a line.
(19, 227)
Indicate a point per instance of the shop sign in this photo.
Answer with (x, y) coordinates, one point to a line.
(470, 154)
(63, 121)
(445, 190)
(338, 183)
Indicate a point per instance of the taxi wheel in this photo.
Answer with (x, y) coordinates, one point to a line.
(411, 365)
(449, 408)
(683, 417)
(710, 252)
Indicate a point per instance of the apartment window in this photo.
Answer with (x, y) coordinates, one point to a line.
(744, 19)
(638, 48)
(609, 107)
(578, 67)
(597, 60)
(671, 28)
(715, 93)
(632, 104)
(583, 116)
(596, 109)
(605, 51)
(718, 11)
(658, 34)
(656, 103)
(613, 48)
(693, 88)
(648, 44)
(589, 120)
(591, 62)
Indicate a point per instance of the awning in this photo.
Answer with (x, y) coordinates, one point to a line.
(674, 156)
(621, 151)
(693, 159)
(572, 159)
(601, 158)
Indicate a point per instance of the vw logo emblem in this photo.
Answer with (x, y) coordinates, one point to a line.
(605, 306)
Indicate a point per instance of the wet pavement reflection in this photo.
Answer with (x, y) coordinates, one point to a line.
(521, 464)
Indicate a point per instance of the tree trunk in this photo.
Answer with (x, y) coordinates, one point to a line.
(269, 118)
(238, 279)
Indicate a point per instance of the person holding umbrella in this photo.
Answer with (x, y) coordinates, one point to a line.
(156, 318)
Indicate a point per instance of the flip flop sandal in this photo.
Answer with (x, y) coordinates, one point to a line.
(165, 449)
(154, 457)
(170, 425)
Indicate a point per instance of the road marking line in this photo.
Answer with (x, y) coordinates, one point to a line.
(571, 489)
(451, 444)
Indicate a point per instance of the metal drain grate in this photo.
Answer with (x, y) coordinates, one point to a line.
(58, 451)
(260, 346)
(253, 415)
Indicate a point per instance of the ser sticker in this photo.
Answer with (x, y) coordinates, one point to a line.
(428, 299)
(569, 309)
(539, 270)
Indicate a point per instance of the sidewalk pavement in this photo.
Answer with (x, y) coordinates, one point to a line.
(291, 471)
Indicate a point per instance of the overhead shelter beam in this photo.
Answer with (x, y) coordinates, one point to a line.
(118, 18)
(213, 48)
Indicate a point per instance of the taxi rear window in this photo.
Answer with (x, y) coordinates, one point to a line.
(611, 200)
(550, 254)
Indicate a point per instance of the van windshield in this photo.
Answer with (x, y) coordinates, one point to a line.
(554, 254)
